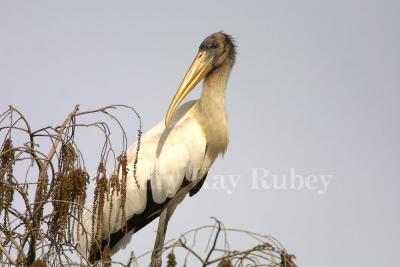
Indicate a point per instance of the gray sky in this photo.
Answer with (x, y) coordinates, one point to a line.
(315, 90)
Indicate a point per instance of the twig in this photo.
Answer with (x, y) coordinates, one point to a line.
(11, 261)
(215, 241)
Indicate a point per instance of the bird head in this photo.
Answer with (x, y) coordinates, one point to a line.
(216, 50)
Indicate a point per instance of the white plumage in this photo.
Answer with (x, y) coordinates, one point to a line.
(166, 158)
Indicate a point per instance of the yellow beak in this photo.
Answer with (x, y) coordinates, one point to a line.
(198, 70)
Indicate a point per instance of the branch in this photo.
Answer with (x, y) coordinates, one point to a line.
(38, 204)
(11, 261)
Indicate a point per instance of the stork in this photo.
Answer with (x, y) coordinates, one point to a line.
(176, 154)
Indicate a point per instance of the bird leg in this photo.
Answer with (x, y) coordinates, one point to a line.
(160, 238)
(163, 224)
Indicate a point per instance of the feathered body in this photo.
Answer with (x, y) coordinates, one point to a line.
(175, 155)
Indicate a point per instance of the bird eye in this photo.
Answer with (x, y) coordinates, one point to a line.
(214, 45)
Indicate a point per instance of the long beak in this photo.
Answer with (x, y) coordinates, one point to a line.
(198, 70)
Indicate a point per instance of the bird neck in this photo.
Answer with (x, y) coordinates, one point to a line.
(212, 108)
(213, 94)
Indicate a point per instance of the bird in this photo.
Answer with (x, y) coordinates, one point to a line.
(175, 155)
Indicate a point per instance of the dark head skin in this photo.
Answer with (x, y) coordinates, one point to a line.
(221, 47)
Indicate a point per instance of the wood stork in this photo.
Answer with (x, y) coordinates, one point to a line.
(176, 154)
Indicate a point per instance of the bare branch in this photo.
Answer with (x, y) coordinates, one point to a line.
(43, 190)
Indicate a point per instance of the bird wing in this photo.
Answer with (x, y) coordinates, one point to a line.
(168, 159)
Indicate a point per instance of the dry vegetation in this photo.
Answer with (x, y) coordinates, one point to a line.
(44, 186)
